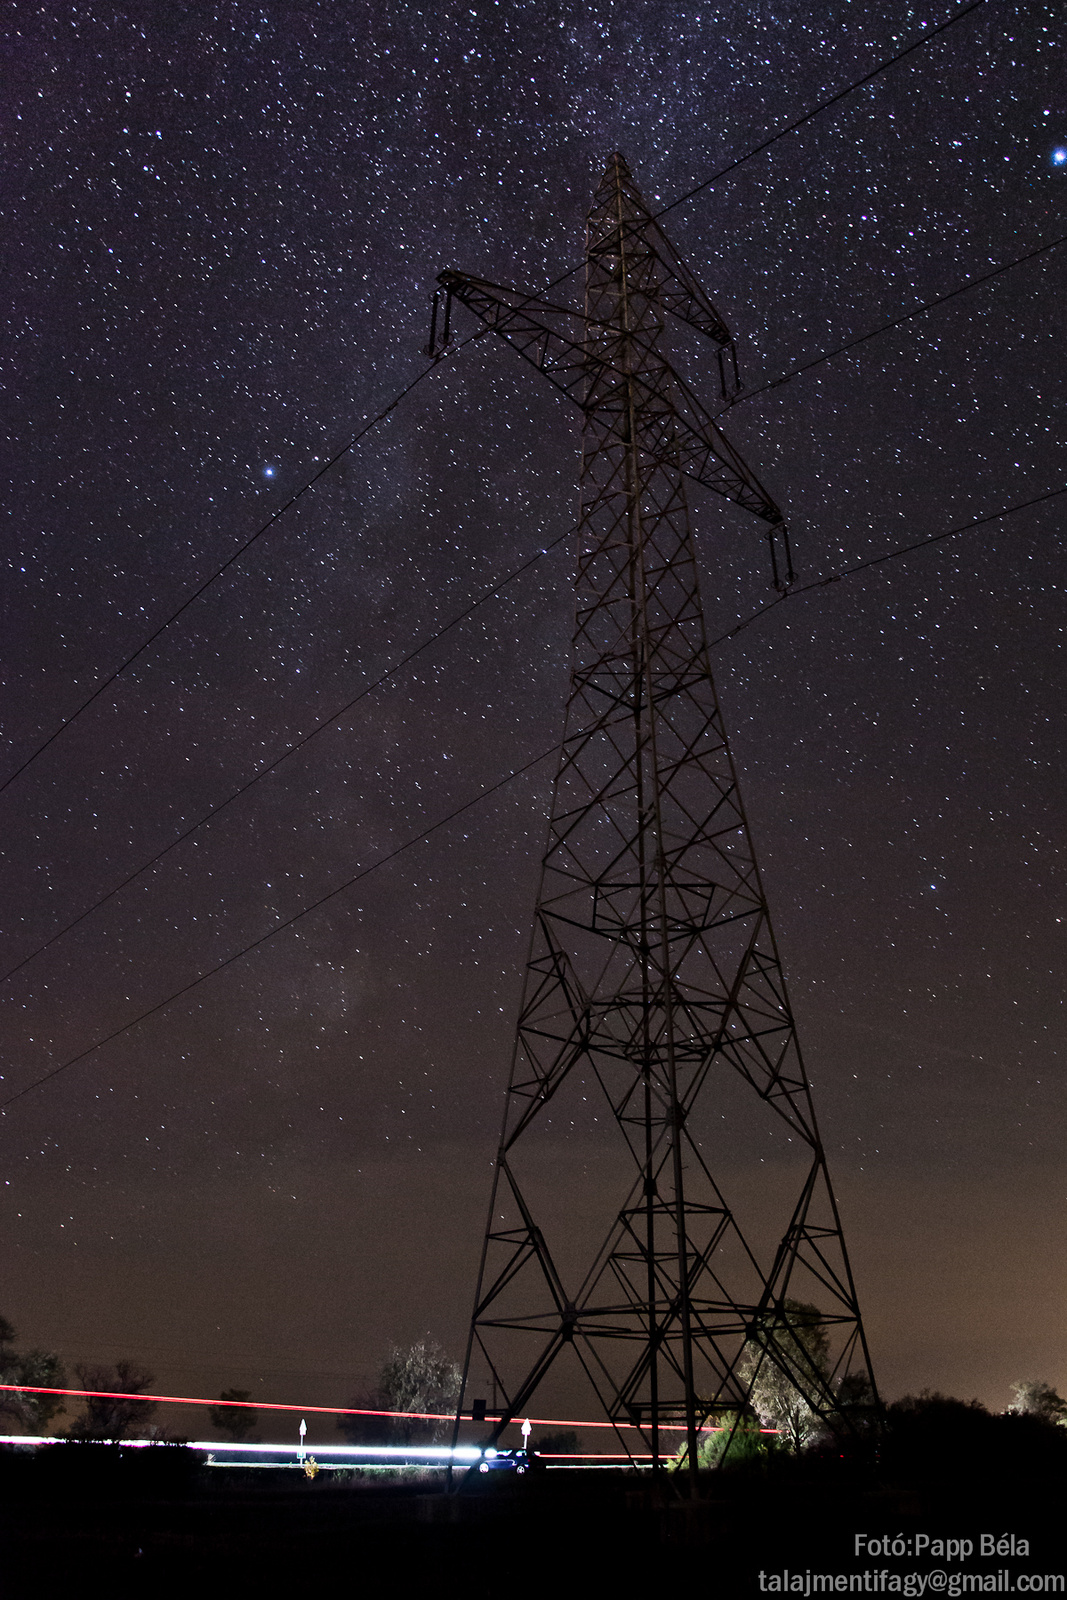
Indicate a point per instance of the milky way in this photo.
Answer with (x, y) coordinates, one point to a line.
(223, 227)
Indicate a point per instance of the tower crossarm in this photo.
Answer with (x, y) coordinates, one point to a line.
(680, 293)
(656, 1063)
(677, 286)
(542, 335)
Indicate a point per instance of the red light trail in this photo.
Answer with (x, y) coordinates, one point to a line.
(328, 1410)
(337, 1411)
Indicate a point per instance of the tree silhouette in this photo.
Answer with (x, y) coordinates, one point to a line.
(1035, 1398)
(32, 1412)
(237, 1421)
(418, 1377)
(105, 1416)
(801, 1349)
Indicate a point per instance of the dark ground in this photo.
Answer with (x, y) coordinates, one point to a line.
(162, 1523)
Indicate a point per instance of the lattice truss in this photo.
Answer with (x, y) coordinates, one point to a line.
(654, 987)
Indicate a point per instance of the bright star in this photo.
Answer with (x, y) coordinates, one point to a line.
(268, 472)
(1059, 157)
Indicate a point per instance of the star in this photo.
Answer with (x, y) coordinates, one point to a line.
(228, 234)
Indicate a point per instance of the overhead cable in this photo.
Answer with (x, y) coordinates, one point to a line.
(824, 105)
(889, 555)
(214, 576)
(453, 350)
(894, 322)
(305, 738)
(279, 927)
(341, 711)
(494, 788)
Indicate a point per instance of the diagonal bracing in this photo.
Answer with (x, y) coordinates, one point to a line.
(654, 988)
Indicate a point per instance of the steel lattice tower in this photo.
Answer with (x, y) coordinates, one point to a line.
(653, 981)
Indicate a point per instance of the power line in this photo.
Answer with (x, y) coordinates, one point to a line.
(218, 572)
(782, 133)
(306, 738)
(751, 394)
(824, 105)
(453, 350)
(279, 927)
(341, 711)
(381, 416)
(493, 788)
(895, 322)
(889, 555)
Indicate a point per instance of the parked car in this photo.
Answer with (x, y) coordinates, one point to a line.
(504, 1461)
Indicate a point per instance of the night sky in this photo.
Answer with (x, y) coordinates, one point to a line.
(222, 225)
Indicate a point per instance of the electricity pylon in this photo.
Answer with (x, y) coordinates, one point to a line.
(654, 983)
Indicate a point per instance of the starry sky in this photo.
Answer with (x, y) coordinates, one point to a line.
(222, 227)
